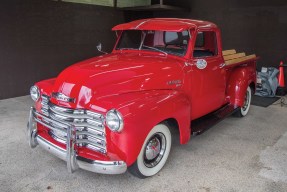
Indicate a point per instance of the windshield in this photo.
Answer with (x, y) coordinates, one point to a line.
(166, 42)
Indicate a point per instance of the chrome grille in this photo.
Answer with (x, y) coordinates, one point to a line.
(89, 125)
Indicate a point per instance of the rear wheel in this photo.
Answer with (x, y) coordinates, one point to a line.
(247, 101)
(154, 152)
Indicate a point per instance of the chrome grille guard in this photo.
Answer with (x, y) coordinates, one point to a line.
(90, 130)
(69, 154)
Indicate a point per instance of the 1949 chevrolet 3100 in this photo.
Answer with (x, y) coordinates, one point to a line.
(115, 112)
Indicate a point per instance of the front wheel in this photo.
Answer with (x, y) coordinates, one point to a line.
(154, 152)
(247, 101)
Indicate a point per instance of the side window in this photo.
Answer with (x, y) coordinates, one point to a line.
(205, 44)
(199, 40)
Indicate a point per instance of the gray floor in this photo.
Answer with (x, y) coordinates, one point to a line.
(238, 154)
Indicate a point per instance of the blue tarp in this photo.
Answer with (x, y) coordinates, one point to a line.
(268, 82)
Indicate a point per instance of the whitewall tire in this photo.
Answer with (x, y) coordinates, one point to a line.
(246, 106)
(154, 152)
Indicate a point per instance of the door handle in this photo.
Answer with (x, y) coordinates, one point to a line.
(222, 65)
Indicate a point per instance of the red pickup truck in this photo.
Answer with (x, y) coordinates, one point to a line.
(118, 111)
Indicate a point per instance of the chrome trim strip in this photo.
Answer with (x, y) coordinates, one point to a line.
(32, 130)
(90, 142)
(57, 138)
(90, 134)
(95, 122)
(70, 147)
(45, 97)
(51, 148)
(77, 124)
(49, 119)
(96, 132)
(104, 167)
(89, 123)
(97, 143)
(61, 117)
(102, 150)
(47, 125)
(96, 128)
(76, 113)
(94, 114)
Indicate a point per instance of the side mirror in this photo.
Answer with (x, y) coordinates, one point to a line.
(99, 48)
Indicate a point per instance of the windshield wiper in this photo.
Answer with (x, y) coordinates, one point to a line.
(155, 49)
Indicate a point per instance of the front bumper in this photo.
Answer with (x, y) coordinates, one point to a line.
(69, 154)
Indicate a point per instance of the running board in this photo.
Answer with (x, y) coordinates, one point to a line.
(200, 125)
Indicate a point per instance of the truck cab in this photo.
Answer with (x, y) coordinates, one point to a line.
(118, 111)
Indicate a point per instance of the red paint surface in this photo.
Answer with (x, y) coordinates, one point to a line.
(136, 83)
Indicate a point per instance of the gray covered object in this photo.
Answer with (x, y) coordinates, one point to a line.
(269, 83)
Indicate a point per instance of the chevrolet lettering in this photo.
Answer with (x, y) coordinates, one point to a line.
(62, 97)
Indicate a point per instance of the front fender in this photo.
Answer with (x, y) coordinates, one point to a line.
(45, 87)
(141, 112)
(239, 80)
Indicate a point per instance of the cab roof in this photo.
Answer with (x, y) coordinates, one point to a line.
(164, 24)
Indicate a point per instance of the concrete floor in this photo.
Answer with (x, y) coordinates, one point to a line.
(238, 154)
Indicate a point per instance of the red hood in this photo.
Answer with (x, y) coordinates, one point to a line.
(116, 74)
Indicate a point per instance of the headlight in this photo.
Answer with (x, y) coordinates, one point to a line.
(35, 93)
(114, 120)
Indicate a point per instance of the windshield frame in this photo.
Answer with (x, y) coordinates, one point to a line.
(186, 53)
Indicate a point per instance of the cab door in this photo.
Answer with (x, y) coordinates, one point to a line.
(208, 75)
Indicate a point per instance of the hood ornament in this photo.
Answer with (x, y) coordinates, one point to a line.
(62, 97)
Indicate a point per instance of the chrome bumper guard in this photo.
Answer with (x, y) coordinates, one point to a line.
(69, 155)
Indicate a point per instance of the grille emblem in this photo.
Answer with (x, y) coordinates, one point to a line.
(62, 97)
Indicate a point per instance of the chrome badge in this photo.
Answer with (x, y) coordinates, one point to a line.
(62, 97)
(201, 63)
(177, 83)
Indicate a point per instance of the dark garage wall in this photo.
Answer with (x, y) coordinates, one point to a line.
(38, 39)
(255, 26)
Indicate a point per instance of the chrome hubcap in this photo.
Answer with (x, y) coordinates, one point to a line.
(154, 150)
(246, 101)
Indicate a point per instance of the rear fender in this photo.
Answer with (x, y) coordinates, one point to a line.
(239, 80)
(142, 114)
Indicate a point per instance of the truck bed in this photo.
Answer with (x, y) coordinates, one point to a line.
(232, 58)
